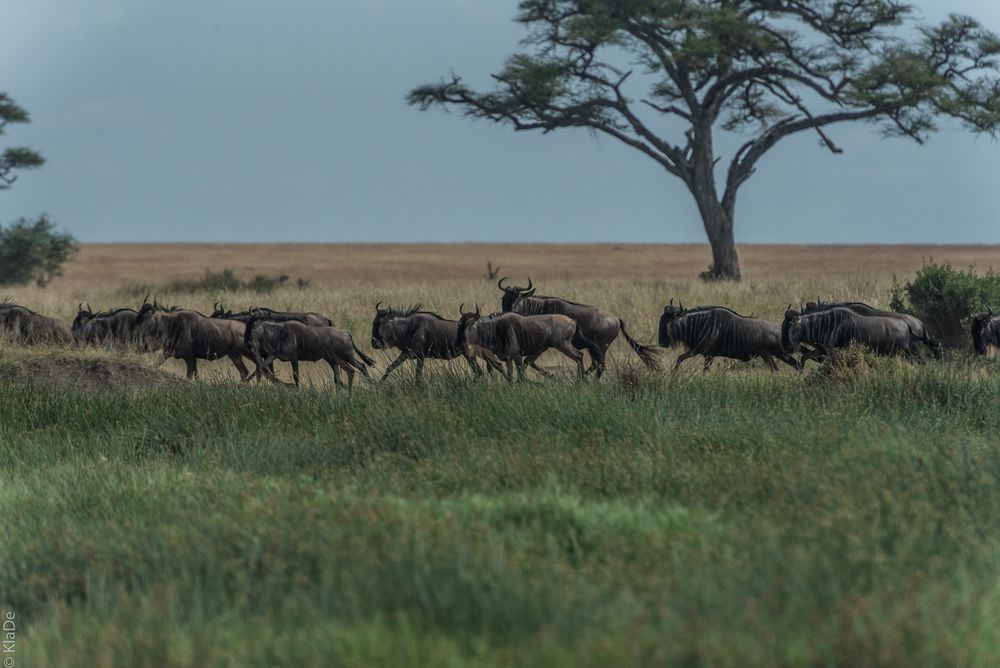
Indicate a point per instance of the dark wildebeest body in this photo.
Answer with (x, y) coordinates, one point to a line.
(191, 336)
(839, 327)
(294, 341)
(24, 326)
(419, 335)
(986, 333)
(918, 326)
(308, 318)
(114, 327)
(521, 339)
(596, 324)
(716, 331)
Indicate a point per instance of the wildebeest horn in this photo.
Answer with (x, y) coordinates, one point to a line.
(530, 284)
(89, 308)
(80, 307)
(500, 282)
(681, 304)
(377, 306)
(145, 300)
(671, 301)
(477, 308)
(461, 308)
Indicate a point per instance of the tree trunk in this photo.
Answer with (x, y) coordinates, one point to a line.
(719, 228)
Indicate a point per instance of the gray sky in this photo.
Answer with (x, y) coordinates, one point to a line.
(285, 121)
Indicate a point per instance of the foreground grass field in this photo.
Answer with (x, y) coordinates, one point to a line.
(847, 516)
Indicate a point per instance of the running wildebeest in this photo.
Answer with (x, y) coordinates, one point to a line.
(419, 335)
(522, 339)
(308, 318)
(24, 326)
(191, 336)
(596, 324)
(716, 331)
(839, 327)
(864, 309)
(294, 341)
(986, 333)
(114, 327)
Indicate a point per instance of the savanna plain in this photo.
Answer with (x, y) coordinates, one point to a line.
(848, 515)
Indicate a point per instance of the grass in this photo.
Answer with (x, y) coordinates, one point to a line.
(727, 519)
(847, 516)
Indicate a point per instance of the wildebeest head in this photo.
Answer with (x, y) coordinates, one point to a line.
(512, 293)
(219, 312)
(83, 316)
(670, 315)
(145, 311)
(466, 320)
(982, 337)
(791, 330)
(381, 315)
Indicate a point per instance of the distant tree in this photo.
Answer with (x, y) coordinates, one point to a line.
(33, 251)
(14, 158)
(767, 69)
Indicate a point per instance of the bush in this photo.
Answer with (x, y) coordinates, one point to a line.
(33, 251)
(946, 299)
(218, 282)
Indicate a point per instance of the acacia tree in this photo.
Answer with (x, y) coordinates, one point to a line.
(765, 69)
(14, 158)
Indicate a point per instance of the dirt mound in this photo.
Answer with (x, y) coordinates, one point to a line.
(83, 373)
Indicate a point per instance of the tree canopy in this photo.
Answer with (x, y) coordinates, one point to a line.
(14, 158)
(765, 69)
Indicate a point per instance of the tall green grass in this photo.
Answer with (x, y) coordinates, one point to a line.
(848, 517)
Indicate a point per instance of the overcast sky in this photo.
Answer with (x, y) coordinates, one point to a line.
(285, 121)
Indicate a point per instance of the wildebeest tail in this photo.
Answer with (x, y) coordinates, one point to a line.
(581, 341)
(646, 353)
(364, 358)
(931, 343)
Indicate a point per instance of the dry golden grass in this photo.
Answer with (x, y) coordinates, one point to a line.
(634, 281)
(103, 265)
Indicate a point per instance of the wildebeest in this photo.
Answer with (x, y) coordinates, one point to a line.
(596, 324)
(521, 339)
(22, 325)
(716, 331)
(986, 333)
(294, 341)
(308, 318)
(864, 309)
(191, 336)
(419, 335)
(839, 327)
(115, 327)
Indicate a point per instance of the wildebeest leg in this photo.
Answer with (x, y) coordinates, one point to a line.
(295, 370)
(769, 360)
(530, 361)
(574, 354)
(790, 361)
(237, 360)
(708, 363)
(683, 357)
(420, 369)
(395, 364)
(475, 367)
(336, 372)
(192, 367)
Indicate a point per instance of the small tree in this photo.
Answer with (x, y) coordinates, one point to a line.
(14, 158)
(767, 69)
(33, 251)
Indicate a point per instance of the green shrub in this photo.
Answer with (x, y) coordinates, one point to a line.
(33, 251)
(946, 298)
(217, 282)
